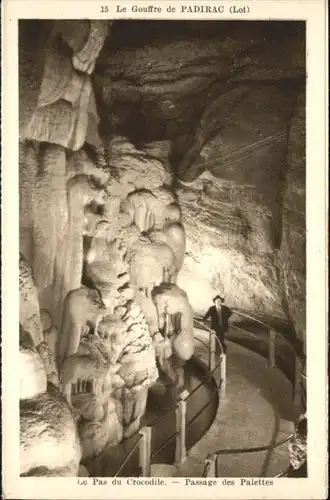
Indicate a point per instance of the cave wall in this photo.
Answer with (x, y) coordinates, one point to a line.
(228, 97)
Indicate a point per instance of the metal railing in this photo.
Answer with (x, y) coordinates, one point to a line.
(214, 362)
(128, 456)
(299, 394)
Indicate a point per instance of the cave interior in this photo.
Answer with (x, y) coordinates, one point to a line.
(160, 163)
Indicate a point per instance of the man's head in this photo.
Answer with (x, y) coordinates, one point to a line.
(218, 300)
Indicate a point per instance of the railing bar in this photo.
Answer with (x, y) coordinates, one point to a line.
(236, 311)
(200, 411)
(201, 341)
(210, 375)
(128, 456)
(164, 445)
(244, 331)
(197, 387)
(163, 415)
(253, 450)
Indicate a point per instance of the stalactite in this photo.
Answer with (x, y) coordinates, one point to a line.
(84, 60)
(49, 192)
(173, 235)
(57, 73)
(61, 116)
(151, 263)
(81, 192)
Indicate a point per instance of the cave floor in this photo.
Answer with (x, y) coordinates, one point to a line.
(256, 411)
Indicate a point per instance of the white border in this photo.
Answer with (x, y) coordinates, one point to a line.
(314, 487)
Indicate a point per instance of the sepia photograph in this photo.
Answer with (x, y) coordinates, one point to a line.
(162, 249)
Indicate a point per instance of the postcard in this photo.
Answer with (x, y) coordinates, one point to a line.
(164, 283)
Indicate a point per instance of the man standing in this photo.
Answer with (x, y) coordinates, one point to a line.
(219, 314)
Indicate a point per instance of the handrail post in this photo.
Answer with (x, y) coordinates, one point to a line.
(145, 451)
(297, 388)
(212, 351)
(272, 349)
(223, 374)
(212, 463)
(180, 412)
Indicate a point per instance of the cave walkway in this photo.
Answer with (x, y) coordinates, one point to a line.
(256, 411)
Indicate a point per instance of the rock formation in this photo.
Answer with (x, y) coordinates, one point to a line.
(100, 229)
(154, 172)
(49, 441)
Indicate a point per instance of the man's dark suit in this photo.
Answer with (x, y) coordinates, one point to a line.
(220, 329)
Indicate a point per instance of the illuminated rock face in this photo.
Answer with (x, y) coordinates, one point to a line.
(46, 422)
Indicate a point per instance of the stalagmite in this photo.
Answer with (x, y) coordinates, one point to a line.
(82, 306)
(48, 224)
(29, 314)
(28, 168)
(171, 301)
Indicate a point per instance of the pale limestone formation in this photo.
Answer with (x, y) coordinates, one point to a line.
(49, 443)
(33, 379)
(49, 190)
(146, 168)
(81, 192)
(66, 99)
(119, 332)
(46, 423)
(151, 209)
(105, 264)
(82, 308)
(124, 349)
(175, 316)
(30, 316)
(172, 234)
(28, 170)
(82, 368)
(151, 263)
